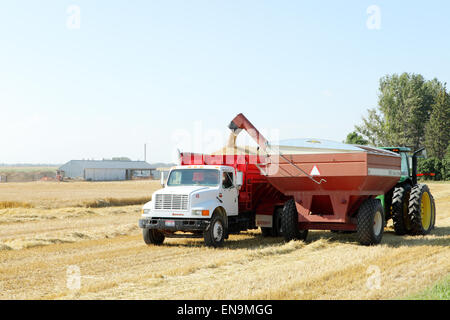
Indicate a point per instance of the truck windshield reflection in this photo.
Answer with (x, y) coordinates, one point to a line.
(193, 177)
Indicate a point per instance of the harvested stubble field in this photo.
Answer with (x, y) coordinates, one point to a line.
(39, 244)
(48, 195)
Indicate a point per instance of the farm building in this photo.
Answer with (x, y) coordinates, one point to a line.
(106, 170)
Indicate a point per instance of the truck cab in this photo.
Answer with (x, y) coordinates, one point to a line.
(195, 201)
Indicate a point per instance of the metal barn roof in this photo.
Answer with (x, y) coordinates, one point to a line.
(109, 164)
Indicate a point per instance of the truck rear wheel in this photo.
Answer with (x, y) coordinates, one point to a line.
(152, 236)
(400, 217)
(277, 224)
(215, 233)
(266, 232)
(370, 222)
(421, 210)
(289, 223)
(276, 229)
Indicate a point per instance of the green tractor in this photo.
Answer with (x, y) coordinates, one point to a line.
(410, 205)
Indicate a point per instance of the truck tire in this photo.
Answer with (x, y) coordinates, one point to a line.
(152, 236)
(289, 223)
(370, 222)
(215, 233)
(266, 232)
(277, 224)
(400, 218)
(276, 229)
(420, 210)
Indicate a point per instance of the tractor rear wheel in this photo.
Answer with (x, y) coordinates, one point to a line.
(400, 217)
(289, 223)
(434, 212)
(370, 222)
(420, 210)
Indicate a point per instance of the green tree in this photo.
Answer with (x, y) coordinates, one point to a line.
(373, 128)
(446, 165)
(355, 138)
(437, 137)
(431, 165)
(404, 108)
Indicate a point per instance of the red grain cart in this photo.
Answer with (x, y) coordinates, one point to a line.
(331, 187)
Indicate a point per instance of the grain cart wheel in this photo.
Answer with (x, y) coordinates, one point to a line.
(370, 222)
(215, 233)
(420, 210)
(289, 223)
(400, 200)
(152, 236)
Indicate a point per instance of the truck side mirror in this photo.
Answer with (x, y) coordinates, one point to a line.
(162, 179)
(239, 178)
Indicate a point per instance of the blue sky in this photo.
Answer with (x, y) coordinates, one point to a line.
(140, 72)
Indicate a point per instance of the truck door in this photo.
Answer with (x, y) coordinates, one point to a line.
(229, 193)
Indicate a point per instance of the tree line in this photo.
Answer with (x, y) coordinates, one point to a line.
(412, 112)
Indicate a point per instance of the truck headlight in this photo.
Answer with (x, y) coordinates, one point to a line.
(200, 213)
(145, 211)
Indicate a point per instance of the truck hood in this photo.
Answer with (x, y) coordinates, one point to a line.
(182, 190)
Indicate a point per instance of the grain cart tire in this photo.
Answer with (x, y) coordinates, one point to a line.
(400, 218)
(152, 236)
(289, 223)
(420, 210)
(214, 235)
(370, 222)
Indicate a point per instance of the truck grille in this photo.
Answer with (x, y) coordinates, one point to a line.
(171, 202)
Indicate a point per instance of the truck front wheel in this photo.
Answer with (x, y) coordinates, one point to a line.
(214, 235)
(152, 236)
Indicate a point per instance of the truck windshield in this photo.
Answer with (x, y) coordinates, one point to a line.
(193, 177)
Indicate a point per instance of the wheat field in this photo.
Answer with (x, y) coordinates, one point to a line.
(39, 244)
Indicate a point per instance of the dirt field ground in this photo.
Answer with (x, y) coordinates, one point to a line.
(41, 248)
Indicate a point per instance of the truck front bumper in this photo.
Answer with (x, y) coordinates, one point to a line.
(174, 224)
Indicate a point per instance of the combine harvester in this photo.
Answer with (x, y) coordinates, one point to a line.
(286, 189)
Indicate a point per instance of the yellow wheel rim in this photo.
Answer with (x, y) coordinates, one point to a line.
(425, 208)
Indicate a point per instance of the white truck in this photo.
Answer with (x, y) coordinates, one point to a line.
(200, 201)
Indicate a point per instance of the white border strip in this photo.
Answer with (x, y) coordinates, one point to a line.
(383, 172)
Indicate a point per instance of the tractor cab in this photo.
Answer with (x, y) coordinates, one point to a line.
(406, 163)
(409, 162)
